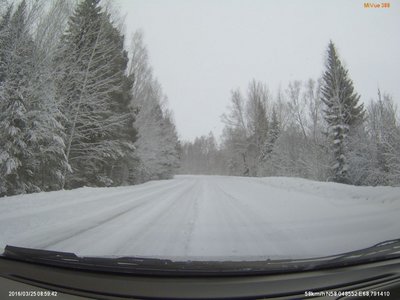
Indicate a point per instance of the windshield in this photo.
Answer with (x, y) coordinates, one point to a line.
(200, 131)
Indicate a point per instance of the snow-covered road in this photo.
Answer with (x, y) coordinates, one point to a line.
(205, 217)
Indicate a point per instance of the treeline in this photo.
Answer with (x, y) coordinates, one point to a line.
(313, 129)
(75, 108)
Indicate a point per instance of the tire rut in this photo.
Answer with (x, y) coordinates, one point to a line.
(152, 223)
(145, 200)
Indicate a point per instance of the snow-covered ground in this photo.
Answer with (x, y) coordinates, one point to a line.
(205, 217)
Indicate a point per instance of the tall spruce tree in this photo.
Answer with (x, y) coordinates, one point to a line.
(272, 136)
(94, 92)
(16, 173)
(5, 41)
(31, 145)
(343, 111)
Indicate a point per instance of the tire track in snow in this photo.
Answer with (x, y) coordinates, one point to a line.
(192, 220)
(241, 226)
(109, 237)
(40, 236)
(163, 231)
(48, 209)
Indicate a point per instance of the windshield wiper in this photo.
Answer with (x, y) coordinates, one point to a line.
(154, 266)
(381, 251)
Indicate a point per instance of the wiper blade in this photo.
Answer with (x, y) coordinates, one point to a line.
(154, 266)
(383, 250)
(148, 266)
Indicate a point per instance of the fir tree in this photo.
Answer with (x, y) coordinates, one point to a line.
(342, 112)
(94, 93)
(32, 149)
(16, 175)
(5, 41)
(169, 148)
(272, 136)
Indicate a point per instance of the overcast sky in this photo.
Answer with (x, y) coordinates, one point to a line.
(202, 49)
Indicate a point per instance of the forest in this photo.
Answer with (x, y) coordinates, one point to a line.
(78, 108)
(316, 129)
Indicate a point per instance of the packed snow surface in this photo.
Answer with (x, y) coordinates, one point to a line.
(205, 218)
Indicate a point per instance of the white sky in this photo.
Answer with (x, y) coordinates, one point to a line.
(202, 49)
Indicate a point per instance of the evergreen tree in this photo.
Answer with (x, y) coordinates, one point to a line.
(272, 136)
(94, 92)
(16, 172)
(342, 112)
(170, 147)
(32, 149)
(46, 133)
(5, 41)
